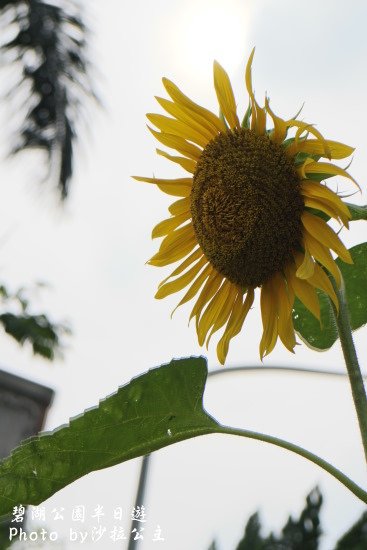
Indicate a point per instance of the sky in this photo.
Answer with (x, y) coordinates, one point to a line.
(92, 252)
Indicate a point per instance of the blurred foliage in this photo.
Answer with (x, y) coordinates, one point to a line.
(25, 327)
(48, 43)
(356, 537)
(303, 533)
(300, 534)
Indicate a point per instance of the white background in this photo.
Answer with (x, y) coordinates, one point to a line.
(93, 251)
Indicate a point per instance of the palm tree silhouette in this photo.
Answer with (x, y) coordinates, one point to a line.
(48, 44)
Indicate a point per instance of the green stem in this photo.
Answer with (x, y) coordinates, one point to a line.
(345, 480)
(350, 355)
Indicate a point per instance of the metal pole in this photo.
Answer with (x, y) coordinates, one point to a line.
(139, 499)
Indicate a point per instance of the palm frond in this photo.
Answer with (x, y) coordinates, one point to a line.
(49, 45)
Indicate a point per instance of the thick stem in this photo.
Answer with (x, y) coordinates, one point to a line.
(350, 355)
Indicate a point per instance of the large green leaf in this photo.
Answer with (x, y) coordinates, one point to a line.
(159, 408)
(355, 278)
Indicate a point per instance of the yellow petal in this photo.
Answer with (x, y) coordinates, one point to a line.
(304, 127)
(224, 313)
(326, 168)
(306, 266)
(322, 254)
(268, 302)
(225, 95)
(223, 344)
(166, 226)
(284, 307)
(195, 287)
(182, 100)
(177, 237)
(182, 281)
(280, 127)
(236, 320)
(209, 289)
(175, 246)
(180, 206)
(198, 253)
(170, 256)
(304, 291)
(177, 128)
(180, 144)
(301, 169)
(313, 189)
(258, 115)
(260, 124)
(315, 147)
(248, 76)
(320, 280)
(195, 121)
(186, 164)
(210, 315)
(179, 187)
(327, 208)
(320, 230)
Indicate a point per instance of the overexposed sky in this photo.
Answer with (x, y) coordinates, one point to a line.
(93, 251)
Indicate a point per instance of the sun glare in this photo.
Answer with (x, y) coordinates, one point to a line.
(211, 29)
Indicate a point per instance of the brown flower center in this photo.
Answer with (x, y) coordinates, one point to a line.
(246, 206)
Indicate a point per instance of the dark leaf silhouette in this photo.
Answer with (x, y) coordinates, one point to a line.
(252, 539)
(25, 327)
(299, 534)
(356, 537)
(49, 46)
(304, 533)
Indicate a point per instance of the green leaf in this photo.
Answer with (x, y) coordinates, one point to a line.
(357, 211)
(157, 409)
(355, 278)
(161, 407)
(308, 327)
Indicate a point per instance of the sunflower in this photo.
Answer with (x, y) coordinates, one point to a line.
(252, 214)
